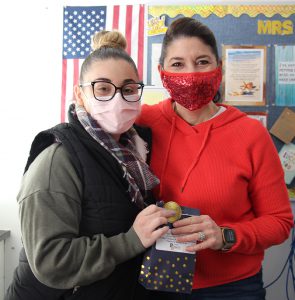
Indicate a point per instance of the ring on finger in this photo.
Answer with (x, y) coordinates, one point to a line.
(202, 236)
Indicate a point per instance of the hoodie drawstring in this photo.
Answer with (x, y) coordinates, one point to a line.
(197, 158)
(167, 155)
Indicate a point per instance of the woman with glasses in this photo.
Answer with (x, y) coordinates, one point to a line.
(85, 207)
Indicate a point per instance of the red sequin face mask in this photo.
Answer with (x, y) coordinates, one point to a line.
(192, 90)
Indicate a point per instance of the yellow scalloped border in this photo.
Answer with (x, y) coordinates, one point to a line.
(222, 10)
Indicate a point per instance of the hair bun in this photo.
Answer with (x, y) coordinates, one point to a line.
(108, 39)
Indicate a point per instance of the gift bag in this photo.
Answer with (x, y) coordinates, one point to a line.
(166, 265)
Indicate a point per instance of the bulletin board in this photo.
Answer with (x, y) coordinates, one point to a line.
(269, 26)
(268, 29)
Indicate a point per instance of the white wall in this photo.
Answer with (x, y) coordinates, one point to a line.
(30, 84)
(30, 51)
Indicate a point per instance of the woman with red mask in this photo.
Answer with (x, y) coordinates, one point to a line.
(213, 157)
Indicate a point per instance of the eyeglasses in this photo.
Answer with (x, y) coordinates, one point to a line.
(106, 91)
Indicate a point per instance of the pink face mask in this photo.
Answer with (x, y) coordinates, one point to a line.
(192, 90)
(115, 116)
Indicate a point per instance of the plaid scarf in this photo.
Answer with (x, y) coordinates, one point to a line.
(136, 171)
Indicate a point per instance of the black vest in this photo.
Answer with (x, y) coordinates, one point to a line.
(106, 208)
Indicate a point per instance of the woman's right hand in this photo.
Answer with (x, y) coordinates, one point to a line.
(147, 224)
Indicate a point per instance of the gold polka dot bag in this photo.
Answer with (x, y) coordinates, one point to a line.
(167, 266)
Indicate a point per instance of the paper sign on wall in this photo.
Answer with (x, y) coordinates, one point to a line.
(284, 127)
(287, 156)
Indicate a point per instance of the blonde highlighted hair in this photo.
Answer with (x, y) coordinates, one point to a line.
(106, 45)
(109, 39)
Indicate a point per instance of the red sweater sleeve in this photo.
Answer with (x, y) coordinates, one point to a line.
(269, 197)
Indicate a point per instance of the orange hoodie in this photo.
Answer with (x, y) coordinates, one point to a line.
(228, 168)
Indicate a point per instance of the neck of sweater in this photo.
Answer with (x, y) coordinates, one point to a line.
(197, 116)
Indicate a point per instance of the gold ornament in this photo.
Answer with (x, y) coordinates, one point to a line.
(171, 205)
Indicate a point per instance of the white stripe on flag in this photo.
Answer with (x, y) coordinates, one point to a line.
(122, 19)
(134, 33)
(110, 16)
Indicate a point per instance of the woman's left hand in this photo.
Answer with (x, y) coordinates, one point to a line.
(199, 229)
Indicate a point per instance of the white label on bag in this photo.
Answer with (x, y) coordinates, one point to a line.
(168, 243)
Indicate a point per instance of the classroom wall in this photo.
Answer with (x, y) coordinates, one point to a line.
(30, 81)
(30, 52)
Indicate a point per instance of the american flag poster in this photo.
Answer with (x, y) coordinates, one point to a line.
(79, 25)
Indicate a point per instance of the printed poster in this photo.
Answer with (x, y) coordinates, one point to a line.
(287, 156)
(244, 75)
(285, 75)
